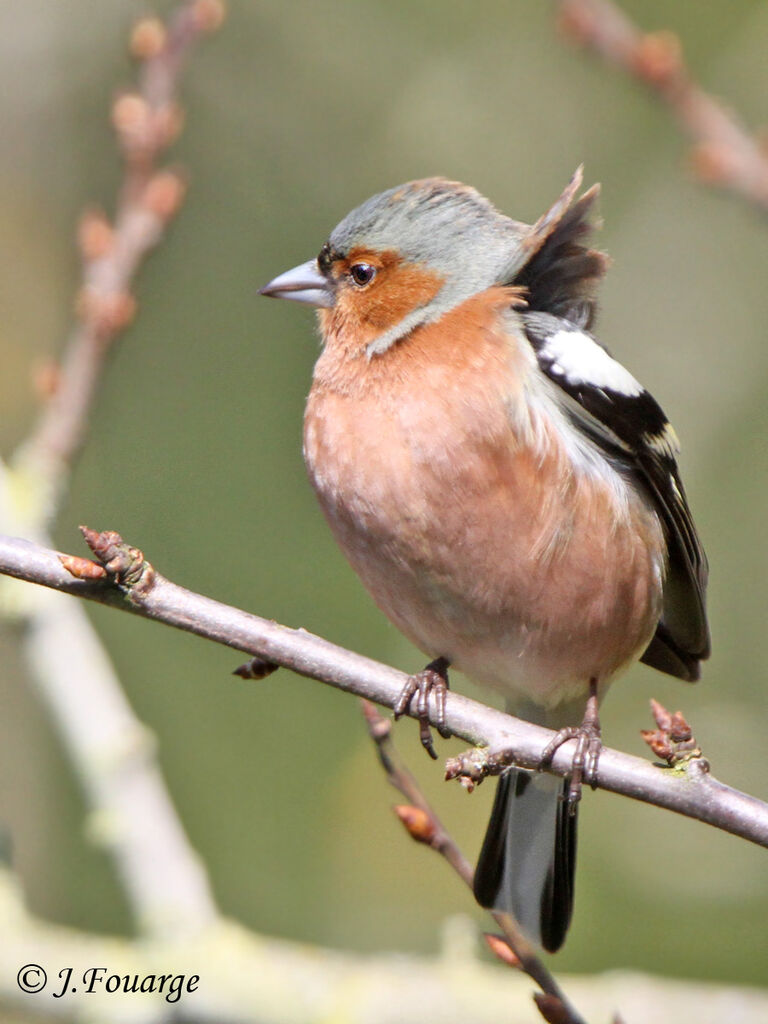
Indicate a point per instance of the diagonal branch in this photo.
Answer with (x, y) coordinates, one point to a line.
(251, 978)
(724, 152)
(131, 811)
(690, 790)
(147, 121)
(423, 825)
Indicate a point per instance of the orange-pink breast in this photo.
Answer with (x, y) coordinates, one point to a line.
(469, 520)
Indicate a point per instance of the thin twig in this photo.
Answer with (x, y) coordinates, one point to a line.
(434, 833)
(724, 152)
(425, 827)
(146, 122)
(131, 811)
(251, 978)
(691, 791)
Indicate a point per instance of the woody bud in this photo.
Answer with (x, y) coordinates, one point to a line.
(164, 194)
(147, 38)
(658, 58)
(417, 822)
(501, 949)
(95, 235)
(208, 15)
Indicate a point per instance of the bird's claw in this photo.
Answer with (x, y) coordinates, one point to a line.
(433, 679)
(587, 754)
(585, 758)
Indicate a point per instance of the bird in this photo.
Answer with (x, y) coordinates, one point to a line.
(506, 490)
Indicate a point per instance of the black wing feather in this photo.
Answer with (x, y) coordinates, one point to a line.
(561, 276)
(562, 273)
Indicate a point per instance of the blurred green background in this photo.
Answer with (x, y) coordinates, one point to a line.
(295, 113)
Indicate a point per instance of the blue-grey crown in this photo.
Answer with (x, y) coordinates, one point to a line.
(444, 225)
(434, 221)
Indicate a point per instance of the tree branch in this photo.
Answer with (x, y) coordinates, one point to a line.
(246, 978)
(424, 826)
(131, 812)
(688, 790)
(724, 152)
(146, 121)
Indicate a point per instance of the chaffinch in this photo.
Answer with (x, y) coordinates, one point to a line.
(506, 491)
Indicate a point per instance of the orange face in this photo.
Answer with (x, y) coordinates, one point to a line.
(364, 308)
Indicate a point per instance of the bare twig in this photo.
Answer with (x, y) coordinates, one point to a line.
(427, 827)
(131, 811)
(247, 978)
(423, 825)
(690, 791)
(146, 121)
(724, 152)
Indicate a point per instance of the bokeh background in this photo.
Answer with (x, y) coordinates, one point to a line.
(295, 113)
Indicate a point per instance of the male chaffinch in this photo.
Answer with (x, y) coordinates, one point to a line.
(506, 490)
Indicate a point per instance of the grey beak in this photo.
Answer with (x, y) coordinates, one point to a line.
(302, 284)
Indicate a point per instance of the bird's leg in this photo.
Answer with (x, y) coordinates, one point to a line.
(588, 747)
(432, 679)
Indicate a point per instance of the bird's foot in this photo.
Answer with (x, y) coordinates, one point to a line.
(433, 679)
(588, 746)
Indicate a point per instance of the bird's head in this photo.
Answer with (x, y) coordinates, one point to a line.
(407, 256)
(404, 258)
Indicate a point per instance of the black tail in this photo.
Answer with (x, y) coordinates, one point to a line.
(527, 863)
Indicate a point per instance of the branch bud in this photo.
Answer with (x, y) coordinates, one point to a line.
(208, 15)
(167, 124)
(256, 668)
(83, 568)
(125, 563)
(470, 767)
(673, 740)
(164, 194)
(417, 823)
(148, 38)
(95, 235)
(108, 313)
(658, 58)
(131, 115)
(552, 1009)
(501, 949)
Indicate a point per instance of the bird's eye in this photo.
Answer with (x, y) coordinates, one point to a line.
(362, 273)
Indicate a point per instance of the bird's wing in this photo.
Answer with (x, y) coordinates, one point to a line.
(605, 402)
